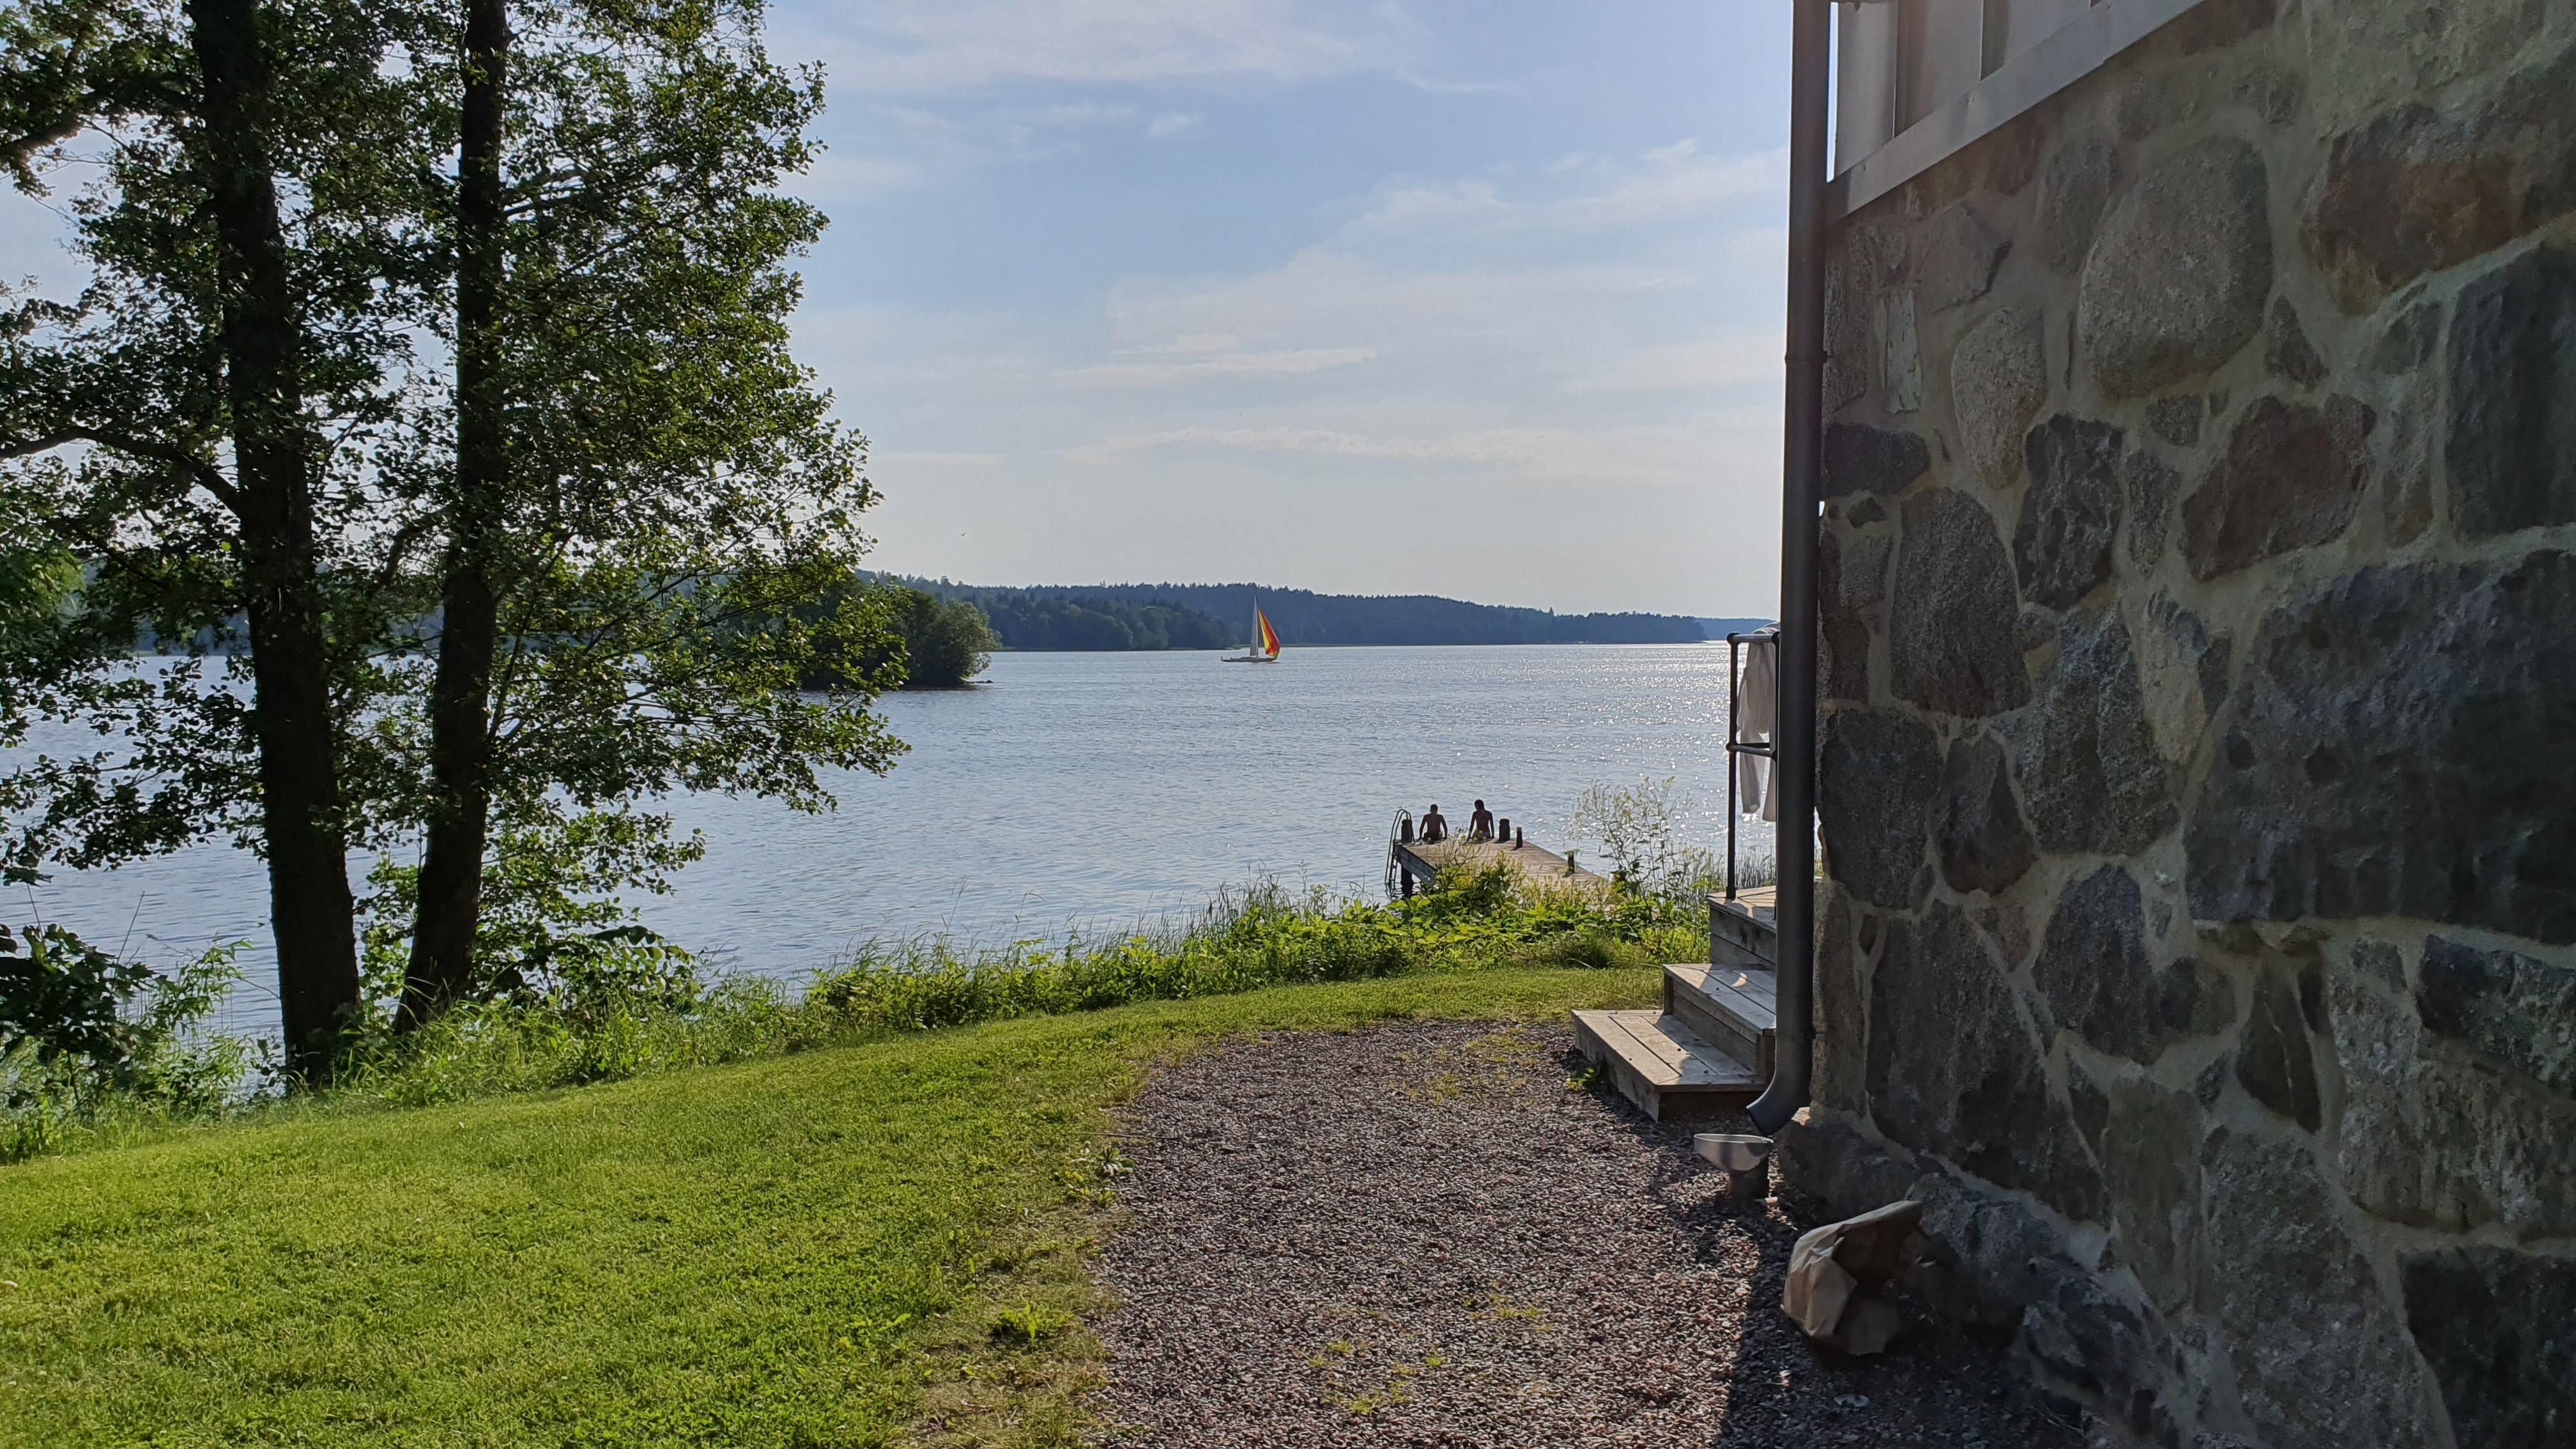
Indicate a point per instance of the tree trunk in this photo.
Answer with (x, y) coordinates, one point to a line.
(460, 726)
(310, 909)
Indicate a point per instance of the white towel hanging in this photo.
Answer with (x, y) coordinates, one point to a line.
(1757, 713)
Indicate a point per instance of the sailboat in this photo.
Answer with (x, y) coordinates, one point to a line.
(1265, 642)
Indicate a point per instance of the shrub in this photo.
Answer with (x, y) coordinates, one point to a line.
(89, 1040)
(609, 1002)
(1638, 830)
(555, 929)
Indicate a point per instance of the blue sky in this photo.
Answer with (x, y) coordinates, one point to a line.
(1475, 299)
(1423, 295)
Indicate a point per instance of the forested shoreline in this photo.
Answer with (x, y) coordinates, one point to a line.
(1219, 616)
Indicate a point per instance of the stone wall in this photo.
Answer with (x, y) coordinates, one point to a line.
(2198, 771)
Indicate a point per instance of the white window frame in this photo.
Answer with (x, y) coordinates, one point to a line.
(1872, 157)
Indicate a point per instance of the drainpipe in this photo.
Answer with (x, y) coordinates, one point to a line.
(1801, 496)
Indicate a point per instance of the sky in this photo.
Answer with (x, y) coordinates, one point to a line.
(1394, 296)
(1474, 299)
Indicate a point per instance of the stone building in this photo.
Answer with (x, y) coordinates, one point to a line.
(2198, 762)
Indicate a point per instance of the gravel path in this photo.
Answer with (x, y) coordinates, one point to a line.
(1420, 1235)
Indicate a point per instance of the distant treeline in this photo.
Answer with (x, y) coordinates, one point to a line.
(1219, 616)
(1026, 619)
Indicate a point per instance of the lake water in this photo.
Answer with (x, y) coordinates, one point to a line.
(1089, 792)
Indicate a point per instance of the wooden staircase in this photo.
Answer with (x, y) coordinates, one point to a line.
(1708, 1051)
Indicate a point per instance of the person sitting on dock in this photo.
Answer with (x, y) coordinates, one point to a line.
(1480, 825)
(1435, 826)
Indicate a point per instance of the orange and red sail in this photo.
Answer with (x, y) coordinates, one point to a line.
(1269, 642)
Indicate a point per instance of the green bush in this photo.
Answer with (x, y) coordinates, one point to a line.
(1259, 938)
(594, 1005)
(89, 1041)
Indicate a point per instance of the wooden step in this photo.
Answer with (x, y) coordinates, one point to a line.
(1743, 932)
(1734, 1010)
(1660, 1064)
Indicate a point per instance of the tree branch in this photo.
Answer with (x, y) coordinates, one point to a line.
(206, 475)
(18, 154)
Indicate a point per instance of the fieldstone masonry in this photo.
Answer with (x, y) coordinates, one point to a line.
(2198, 773)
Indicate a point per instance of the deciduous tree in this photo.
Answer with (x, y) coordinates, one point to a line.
(190, 427)
(645, 484)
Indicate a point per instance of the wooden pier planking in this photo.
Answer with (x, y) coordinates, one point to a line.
(1425, 862)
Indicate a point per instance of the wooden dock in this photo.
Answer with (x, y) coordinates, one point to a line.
(1421, 863)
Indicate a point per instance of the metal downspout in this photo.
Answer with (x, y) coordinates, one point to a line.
(1801, 497)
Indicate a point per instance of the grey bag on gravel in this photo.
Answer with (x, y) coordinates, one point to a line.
(1837, 1274)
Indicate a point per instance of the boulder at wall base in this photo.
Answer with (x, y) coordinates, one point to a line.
(1824, 1157)
(2512, 443)
(1877, 774)
(2400, 748)
(2290, 479)
(2176, 282)
(2499, 1330)
(1953, 1071)
(2085, 1335)
(1984, 1252)
(2148, 1142)
(1953, 620)
(1838, 1276)
(2429, 1140)
(2321, 1359)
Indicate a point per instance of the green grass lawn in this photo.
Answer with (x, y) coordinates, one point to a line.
(818, 1249)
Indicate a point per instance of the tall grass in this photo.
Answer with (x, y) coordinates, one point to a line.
(1248, 939)
(1264, 936)
(93, 1047)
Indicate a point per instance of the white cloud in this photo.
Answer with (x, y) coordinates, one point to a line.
(1170, 123)
(920, 464)
(1586, 195)
(1087, 113)
(921, 47)
(1653, 455)
(836, 176)
(916, 118)
(1190, 364)
(1702, 364)
(1532, 367)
